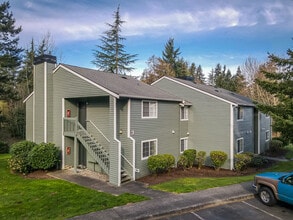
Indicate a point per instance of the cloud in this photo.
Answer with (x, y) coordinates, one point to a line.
(85, 20)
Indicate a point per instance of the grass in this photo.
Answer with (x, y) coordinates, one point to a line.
(185, 185)
(23, 198)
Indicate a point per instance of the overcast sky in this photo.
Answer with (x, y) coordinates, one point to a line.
(206, 31)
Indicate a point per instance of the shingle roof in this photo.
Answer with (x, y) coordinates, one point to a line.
(122, 85)
(218, 92)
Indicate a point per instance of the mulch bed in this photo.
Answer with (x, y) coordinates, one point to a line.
(194, 172)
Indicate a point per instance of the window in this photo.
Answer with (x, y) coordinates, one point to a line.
(183, 144)
(149, 109)
(149, 148)
(183, 113)
(267, 135)
(240, 113)
(240, 145)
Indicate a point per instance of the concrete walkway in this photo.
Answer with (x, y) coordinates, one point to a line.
(161, 203)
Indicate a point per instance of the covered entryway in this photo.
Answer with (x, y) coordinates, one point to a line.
(82, 117)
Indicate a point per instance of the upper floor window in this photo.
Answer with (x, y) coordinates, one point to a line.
(183, 113)
(240, 145)
(148, 148)
(183, 144)
(240, 113)
(149, 109)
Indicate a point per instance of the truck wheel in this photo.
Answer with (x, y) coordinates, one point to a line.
(267, 196)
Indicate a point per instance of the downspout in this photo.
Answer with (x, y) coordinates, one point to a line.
(115, 138)
(231, 137)
(45, 102)
(63, 141)
(131, 138)
(258, 132)
(34, 101)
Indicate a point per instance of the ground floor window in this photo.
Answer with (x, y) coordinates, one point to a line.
(183, 144)
(240, 145)
(149, 148)
(267, 135)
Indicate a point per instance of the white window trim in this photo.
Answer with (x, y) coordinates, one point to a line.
(156, 148)
(144, 117)
(185, 110)
(185, 142)
(239, 152)
(269, 136)
(239, 108)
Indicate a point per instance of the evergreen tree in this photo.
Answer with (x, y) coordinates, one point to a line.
(25, 77)
(280, 84)
(171, 55)
(9, 52)
(111, 56)
(239, 83)
(199, 76)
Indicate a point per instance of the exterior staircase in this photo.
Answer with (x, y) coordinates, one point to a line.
(96, 150)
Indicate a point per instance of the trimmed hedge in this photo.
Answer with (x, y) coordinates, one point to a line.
(218, 158)
(201, 155)
(43, 156)
(190, 154)
(182, 162)
(242, 161)
(19, 161)
(160, 163)
(27, 156)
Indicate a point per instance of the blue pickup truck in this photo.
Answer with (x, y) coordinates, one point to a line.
(273, 186)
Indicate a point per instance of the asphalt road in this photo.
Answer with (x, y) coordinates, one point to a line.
(251, 209)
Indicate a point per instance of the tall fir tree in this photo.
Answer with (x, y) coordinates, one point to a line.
(110, 55)
(10, 52)
(200, 78)
(170, 55)
(280, 84)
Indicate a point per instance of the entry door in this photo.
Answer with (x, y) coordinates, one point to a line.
(82, 121)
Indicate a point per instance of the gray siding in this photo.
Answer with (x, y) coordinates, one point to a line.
(29, 119)
(244, 128)
(160, 128)
(98, 114)
(67, 85)
(265, 126)
(209, 119)
(43, 82)
(115, 158)
(122, 135)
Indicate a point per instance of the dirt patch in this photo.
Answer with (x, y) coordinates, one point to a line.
(38, 174)
(194, 172)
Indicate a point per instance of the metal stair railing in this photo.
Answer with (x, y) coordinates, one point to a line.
(93, 147)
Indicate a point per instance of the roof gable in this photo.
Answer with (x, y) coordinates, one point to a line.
(218, 93)
(119, 85)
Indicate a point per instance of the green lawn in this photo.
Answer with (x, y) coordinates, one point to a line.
(22, 198)
(185, 185)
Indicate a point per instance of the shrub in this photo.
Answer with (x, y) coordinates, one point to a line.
(242, 161)
(258, 161)
(289, 151)
(182, 162)
(160, 163)
(218, 158)
(4, 148)
(44, 156)
(19, 161)
(275, 146)
(191, 156)
(201, 155)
